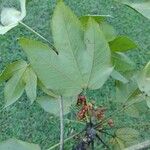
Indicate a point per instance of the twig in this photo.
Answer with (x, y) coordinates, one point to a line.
(61, 124)
(141, 146)
(102, 141)
(107, 133)
(92, 144)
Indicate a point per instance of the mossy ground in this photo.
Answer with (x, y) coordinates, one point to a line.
(31, 123)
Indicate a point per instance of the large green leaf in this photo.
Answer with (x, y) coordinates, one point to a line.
(122, 43)
(68, 40)
(12, 69)
(83, 61)
(13, 144)
(122, 62)
(14, 87)
(98, 63)
(143, 79)
(52, 105)
(141, 7)
(30, 80)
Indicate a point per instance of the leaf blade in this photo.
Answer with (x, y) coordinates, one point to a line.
(14, 88)
(122, 44)
(30, 80)
(99, 64)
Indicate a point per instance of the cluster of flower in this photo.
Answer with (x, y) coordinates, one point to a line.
(88, 109)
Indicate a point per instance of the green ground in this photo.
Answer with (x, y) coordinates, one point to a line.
(31, 123)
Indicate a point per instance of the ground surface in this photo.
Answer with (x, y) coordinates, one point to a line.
(31, 123)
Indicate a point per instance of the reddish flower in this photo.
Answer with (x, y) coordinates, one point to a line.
(100, 113)
(81, 100)
(110, 122)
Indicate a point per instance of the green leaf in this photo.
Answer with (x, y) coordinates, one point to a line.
(122, 62)
(51, 105)
(14, 87)
(128, 135)
(12, 69)
(13, 144)
(68, 39)
(122, 44)
(30, 80)
(143, 79)
(141, 7)
(55, 72)
(80, 64)
(117, 76)
(98, 56)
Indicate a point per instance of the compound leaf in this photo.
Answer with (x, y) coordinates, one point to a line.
(81, 63)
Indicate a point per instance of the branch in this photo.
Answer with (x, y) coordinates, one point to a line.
(141, 146)
(61, 124)
(102, 142)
